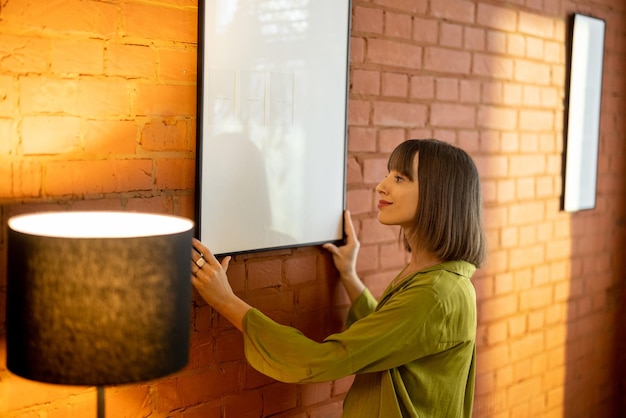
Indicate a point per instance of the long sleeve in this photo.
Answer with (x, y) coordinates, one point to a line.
(364, 305)
(419, 336)
(289, 356)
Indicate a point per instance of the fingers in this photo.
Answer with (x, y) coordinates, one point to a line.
(198, 252)
(331, 248)
(200, 248)
(226, 262)
(349, 227)
(350, 235)
(203, 252)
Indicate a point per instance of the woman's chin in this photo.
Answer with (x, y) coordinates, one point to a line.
(383, 219)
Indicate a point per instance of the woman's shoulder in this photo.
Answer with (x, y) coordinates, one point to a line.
(450, 279)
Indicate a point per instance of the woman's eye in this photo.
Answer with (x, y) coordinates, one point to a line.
(399, 179)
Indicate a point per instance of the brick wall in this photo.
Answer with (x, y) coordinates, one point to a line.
(97, 111)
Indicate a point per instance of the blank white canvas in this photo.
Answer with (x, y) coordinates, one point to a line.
(584, 113)
(272, 123)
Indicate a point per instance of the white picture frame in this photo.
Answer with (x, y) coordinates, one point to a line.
(272, 123)
(583, 112)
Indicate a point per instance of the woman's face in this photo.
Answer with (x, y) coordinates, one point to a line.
(398, 198)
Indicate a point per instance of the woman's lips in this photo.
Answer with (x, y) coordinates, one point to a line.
(383, 203)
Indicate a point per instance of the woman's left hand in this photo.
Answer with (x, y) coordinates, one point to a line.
(208, 275)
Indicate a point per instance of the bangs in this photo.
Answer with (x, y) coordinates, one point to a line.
(402, 157)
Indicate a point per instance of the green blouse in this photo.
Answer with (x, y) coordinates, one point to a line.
(413, 352)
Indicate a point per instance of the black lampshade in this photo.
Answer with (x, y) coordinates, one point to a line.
(98, 298)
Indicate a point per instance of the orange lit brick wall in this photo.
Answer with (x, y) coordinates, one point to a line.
(97, 111)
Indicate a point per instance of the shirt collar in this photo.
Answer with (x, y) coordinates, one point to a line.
(458, 267)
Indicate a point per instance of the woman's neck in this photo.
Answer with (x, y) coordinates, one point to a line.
(420, 259)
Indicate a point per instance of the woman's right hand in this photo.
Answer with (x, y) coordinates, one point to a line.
(345, 258)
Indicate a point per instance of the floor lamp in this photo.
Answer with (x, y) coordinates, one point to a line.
(98, 298)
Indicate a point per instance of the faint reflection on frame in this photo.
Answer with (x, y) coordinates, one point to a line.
(583, 112)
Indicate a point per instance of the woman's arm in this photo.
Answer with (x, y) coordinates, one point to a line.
(405, 328)
(212, 283)
(211, 280)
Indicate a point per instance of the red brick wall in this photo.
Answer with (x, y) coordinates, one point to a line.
(97, 111)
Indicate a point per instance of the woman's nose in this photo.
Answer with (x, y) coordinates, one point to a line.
(380, 187)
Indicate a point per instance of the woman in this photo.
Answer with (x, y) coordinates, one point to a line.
(412, 351)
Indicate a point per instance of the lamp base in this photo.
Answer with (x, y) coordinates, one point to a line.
(100, 393)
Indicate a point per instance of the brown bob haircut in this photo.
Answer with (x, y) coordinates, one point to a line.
(448, 221)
